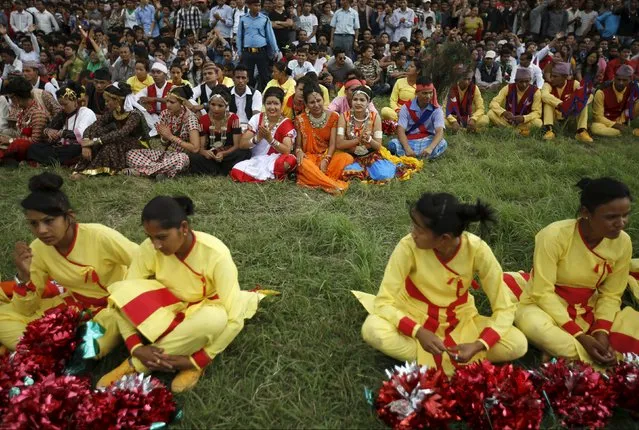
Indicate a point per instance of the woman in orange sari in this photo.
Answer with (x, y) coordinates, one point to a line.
(319, 165)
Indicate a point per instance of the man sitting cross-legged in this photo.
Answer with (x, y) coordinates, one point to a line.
(517, 105)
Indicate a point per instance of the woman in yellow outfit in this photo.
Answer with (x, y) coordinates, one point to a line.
(424, 310)
(83, 258)
(181, 304)
(570, 307)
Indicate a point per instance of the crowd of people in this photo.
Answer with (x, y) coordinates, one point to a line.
(183, 88)
(175, 88)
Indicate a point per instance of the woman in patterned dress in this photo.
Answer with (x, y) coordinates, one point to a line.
(31, 119)
(179, 131)
(106, 142)
(270, 136)
(220, 134)
(319, 164)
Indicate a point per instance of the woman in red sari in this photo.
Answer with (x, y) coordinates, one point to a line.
(30, 121)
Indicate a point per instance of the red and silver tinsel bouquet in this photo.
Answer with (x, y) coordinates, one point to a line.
(497, 397)
(625, 380)
(389, 127)
(415, 397)
(578, 394)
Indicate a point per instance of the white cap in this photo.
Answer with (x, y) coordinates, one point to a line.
(161, 67)
(490, 54)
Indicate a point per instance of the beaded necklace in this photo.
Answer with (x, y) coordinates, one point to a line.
(219, 129)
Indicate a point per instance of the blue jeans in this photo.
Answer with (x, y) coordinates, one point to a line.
(418, 145)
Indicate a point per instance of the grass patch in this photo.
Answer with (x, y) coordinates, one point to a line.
(300, 362)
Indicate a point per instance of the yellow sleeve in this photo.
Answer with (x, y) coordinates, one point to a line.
(535, 111)
(223, 274)
(25, 301)
(143, 262)
(451, 119)
(478, 104)
(547, 97)
(118, 248)
(491, 277)
(548, 251)
(498, 103)
(610, 292)
(397, 270)
(395, 96)
(325, 95)
(598, 110)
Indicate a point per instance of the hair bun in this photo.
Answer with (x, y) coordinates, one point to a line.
(125, 88)
(45, 182)
(185, 203)
(584, 183)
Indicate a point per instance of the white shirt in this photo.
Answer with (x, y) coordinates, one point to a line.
(587, 19)
(79, 122)
(20, 21)
(16, 66)
(319, 65)
(402, 29)
(48, 87)
(237, 14)
(240, 102)
(130, 19)
(297, 70)
(45, 20)
(537, 75)
(21, 53)
(225, 24)
(145, 93)
(197, 93)
(307, 23)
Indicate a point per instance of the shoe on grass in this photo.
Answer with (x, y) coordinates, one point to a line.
(185, 380)
(583, 136)
(549, 135)
(126, 368)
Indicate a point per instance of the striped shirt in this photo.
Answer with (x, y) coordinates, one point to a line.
(189, 19)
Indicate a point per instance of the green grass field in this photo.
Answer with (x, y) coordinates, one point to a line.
(300, 362)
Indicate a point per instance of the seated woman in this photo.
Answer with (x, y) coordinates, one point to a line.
(424, 311)
(281, 78)
(142, 78)
(179, 130)
(403, 91)
(270, 137)
(220, 134)
(84, 258)
(60, 143)
(571, 306)
(107, 141)
(181, 294)
(31, 119)
(359, 132)
(319, 165)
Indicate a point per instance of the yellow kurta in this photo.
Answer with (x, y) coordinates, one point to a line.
(98, 257)
(498, 106)
(601, 125)
(204, 290)
(137, 85)
(550, 103)
(574, 289)
(477, 115)
(633, 279)
(419, 290)
(402, 92)
(288, 86)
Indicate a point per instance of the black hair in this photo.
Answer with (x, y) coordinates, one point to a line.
(442, 213)
(19, 87)
(46, 195)
(144, 62)
(338, 50)
(183, 91)
(9, 52)
(364, 90)
(169, 211)
(597, 192)
(276, 92)
(71, 85)
(122, 90)
(240, 68)
(223, 91)
(282, 67)
(103, 74)
(310, 89)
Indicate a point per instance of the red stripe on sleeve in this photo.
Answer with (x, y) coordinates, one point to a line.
(406, 326)
(601, 325)
(572, 328)
(23, 289)
(490, 336)
(201, 358)
(132, 341)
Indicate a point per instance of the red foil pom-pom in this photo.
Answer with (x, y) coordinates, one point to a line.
(625, 380)
(581, 396)
(389, 127)
(415, 397)
(48, 404)
(497, 397)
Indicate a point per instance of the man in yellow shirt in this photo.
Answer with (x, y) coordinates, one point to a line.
(465, 106)
(403, 92)
(616, 104)
(517, 105)
(563, 97)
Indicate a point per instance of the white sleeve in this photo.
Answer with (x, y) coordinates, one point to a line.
(257, 101)
(48, 87)
(144, 92)
(254, 122)
(197, 92)
(86, 117)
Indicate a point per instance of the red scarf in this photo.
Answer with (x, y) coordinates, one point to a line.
(461, 109)
(525, 104)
